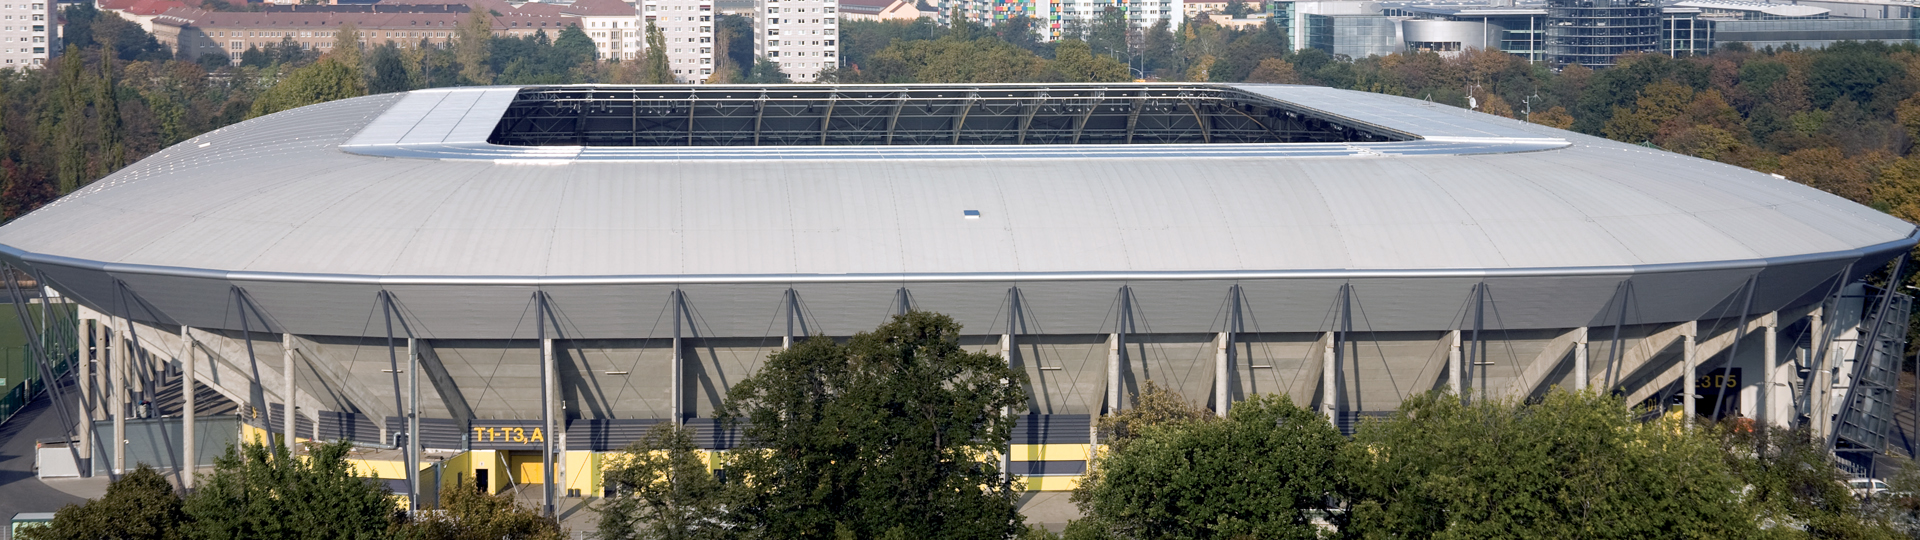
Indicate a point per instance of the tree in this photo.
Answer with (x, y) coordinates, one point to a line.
(1156, 49)
(657, 71)
(323, 81)
(1829, 170)
(1788, 477)
(1574, 465)
(346, 46)
(765, 71)
(390, 72)
(1237, 9)
(1274, 71)
(473, 46)
(466, 512)
(257, 491)
(254, 57)
(888, 434)
(662, 489)
(1264, 472)
(1075, 62)
(213, 61)
(1554, 117)
(106, 115)
(138, 506)
(573, 47)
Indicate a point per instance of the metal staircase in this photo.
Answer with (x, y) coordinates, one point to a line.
(1867, 415)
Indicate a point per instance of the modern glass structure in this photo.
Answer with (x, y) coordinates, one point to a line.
(1596, 32)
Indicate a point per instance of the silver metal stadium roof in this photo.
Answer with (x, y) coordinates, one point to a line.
(313, 210)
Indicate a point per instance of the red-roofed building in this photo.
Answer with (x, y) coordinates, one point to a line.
(141, 12)
(879, 10)
(195, 32)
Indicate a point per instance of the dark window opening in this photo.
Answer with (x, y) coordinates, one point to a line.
(917, 115)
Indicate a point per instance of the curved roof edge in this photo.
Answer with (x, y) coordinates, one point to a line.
(12, 254)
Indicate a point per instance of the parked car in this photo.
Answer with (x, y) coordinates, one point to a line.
(1864, 488)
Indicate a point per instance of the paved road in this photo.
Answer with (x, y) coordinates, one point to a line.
(20, 490)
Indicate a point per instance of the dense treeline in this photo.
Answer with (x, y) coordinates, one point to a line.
(898, 433)
(263, 491)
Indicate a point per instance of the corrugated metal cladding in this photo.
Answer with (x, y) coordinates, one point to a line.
(1053, 429)
(274, 209)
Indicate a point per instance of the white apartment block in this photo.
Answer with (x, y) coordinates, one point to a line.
(801, 35)
(29, 34)
(613, 25)
(1057, 16)
(687, 26)
(616, 38)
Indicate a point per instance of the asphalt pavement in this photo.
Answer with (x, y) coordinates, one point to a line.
(20, 489)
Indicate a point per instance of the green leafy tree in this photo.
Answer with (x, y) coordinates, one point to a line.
(257, 491)
(139, 506)
(346, 46)
(1237, 9)
(662, 489)
(1574, 465)
(766, 72)
(1264, 472)
(657, 71)
(948, 60)
(473, 46)
(467, 513)
(324, 81)
(390, 73)
(889, 434)
(1075, 62)
(290, 53)
(573, 47)
(255, 58)
(213, 61)
(1789, 478)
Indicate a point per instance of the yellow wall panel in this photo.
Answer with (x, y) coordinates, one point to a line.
(1048, 452)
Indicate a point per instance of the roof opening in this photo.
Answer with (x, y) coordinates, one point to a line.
(810, 115)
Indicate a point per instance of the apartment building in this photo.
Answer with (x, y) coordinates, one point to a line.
(196, 32)
(800, 35)
(29, 34)
(687, 27)
(614, 26)
(140, 12)
(1060, 17)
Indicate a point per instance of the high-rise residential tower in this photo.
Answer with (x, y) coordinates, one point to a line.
(800, 35)
(687, 26)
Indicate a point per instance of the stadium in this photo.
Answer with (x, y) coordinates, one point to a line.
(538, 274)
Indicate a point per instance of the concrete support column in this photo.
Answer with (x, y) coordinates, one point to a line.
(188, 363)
(1329, 384)
(1113, 373)
(286, 395)
(413, 421)
(1690, 347)
(1453, 362)
(1580, 358)
(1770, 358)
(1006, 454)
(117, 356)
(679, 307)
(1222, 360)
(84, 379)
(1821, 385)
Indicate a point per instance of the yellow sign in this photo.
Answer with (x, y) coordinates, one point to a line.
(508, 435)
